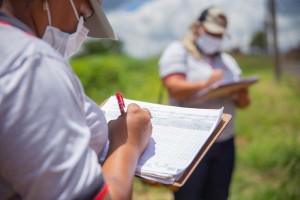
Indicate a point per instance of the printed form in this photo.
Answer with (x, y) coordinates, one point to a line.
(178, 135)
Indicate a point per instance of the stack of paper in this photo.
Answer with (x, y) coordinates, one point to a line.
(178, 136)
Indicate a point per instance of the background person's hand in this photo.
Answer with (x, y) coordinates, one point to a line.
(242, 98)
(215, 76)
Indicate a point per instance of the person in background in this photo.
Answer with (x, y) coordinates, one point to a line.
(50, 131)
(191, 65)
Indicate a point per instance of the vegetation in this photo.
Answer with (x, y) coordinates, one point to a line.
(101, 46)
(267, 133)
(103, 76)
(258, 43)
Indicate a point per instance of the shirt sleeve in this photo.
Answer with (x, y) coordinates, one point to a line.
(97, 123)
(231, 63)
(44, 140)
(173, 60)
(102, 193)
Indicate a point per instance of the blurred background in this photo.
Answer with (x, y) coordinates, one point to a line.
(147, 26)
(264, 37)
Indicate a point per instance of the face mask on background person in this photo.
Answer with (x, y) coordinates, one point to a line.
(209, 44)
(65, 43)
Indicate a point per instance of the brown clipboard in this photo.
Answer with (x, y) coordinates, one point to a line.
(181, 181)
(224, 90)
(187, 173)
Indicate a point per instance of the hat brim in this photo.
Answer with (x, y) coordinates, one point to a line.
(98, 24)
(214, 28)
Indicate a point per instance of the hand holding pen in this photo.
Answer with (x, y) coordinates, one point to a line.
(133, 126)
(121, 103)
(129, 135)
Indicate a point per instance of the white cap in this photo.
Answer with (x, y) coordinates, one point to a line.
(214, 20)
(98, 24)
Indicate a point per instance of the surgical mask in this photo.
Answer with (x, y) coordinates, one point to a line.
(65, 43)
(209, 44)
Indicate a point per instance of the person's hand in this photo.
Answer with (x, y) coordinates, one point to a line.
(243, 99)
(132, 129)
(129, 135)
(215, 76)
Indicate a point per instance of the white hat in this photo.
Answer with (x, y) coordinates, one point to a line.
(214, 20)
(98, 24)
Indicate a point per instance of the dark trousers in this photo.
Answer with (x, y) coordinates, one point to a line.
(211, 178)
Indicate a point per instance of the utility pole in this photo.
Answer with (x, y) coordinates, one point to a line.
(272, 11)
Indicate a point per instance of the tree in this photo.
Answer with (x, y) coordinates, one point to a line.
(258, 43)
(101, 46)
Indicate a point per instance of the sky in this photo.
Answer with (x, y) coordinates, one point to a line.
(147, 26)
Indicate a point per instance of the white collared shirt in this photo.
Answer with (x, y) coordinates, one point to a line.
(46, 124)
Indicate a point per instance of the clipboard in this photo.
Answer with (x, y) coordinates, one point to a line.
(181, 181)
(225, 89)
(205, 146)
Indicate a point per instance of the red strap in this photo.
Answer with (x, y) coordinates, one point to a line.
(5, 23)
(101, 194)
(8, 24)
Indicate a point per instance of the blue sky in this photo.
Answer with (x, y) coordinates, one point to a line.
(147, 26)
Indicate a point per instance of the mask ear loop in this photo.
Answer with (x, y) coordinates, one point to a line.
(74, 9)
(47, 9)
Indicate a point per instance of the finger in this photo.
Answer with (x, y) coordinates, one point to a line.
(148, 111)
(133, 106)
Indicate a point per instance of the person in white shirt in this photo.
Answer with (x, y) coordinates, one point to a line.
(51, 133)
(188, 66)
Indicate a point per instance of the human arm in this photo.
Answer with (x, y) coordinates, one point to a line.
(128, 136)
(179, 88)
(173, 67)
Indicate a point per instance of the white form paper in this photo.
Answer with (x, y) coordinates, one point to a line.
(178, 135)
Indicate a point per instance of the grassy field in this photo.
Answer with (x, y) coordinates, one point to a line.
(267, 132)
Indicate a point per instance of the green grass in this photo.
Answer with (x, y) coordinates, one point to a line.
(267, 132)
(268, 137)
(106, 75)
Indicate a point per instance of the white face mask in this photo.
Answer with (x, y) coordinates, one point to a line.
(65, 43)
(209, 44)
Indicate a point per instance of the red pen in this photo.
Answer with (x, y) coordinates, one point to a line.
(121, 102)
